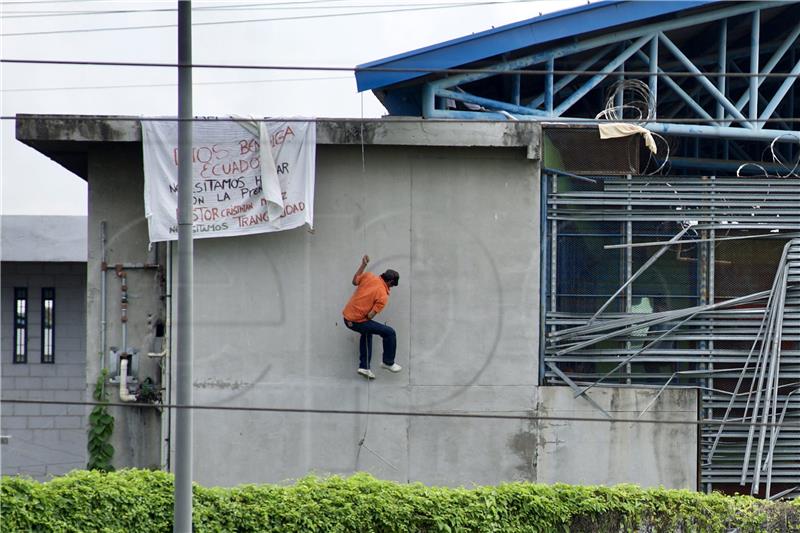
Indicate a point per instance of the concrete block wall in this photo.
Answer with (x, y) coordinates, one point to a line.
(45, 440)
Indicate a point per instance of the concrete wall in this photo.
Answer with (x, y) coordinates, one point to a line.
(454, 208)
(599, 453)
(461, 227)
(116, 198)
(45, 440)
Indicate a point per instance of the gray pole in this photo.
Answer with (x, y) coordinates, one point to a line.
(183, 418)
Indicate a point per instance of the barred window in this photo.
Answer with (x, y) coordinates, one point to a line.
(20, 325)
(48, 324)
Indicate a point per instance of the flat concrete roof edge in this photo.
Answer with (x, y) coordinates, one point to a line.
(413, 131)
(43, 238)
(402, 131)
(77, 128)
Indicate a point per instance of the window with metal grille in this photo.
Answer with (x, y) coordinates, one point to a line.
(20, 325)
(624, 307)
(48, 324)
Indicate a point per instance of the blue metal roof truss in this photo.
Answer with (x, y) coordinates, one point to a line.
(575, 53)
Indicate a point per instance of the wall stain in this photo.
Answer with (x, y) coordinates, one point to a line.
(525, 446)
(350, 132)
(221, 384)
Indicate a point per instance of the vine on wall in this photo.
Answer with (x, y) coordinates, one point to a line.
(101, 426)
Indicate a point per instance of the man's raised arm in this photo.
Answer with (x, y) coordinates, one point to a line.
(364, 261)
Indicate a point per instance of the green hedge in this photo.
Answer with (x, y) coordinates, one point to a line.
(141, 501)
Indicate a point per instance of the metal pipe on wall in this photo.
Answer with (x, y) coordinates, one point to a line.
(103, 304)
(123, 308)
(166, 366)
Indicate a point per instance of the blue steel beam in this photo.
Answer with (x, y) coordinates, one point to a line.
(559, 53)
(695, 96)
(602, 40)
(722, 65)
(761, 99)
(565, 80)
(489, 103)
(618, 96)
(724, 132)
(471, 115)
(516, 87)
(664, 128)
(754, 42)
(677, 89)
(437, 88)
(539, 31)
(653, 81)
(428, 101)
(773, 61)
(549, 93)
(729, 107)
(781, 92)
(597, 78)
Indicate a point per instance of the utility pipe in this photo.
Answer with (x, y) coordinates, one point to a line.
(103, 303)
(123, 308)
(166, 366)
(124, 394)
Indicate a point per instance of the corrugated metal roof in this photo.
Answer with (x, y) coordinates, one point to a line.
(519, 35)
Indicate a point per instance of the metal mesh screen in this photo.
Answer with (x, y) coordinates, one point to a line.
(745, 267)
(582, 151)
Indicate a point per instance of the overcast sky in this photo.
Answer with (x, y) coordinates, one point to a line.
(313, 33)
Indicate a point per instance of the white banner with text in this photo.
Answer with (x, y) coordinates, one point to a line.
(247, 177)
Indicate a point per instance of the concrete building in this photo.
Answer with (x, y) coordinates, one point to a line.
(456, 209)
(43, 274)
(544, 270)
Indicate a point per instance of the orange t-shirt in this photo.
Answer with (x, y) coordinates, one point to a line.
(372, 294)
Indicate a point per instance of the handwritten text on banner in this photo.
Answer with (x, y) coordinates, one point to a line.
(247, 177)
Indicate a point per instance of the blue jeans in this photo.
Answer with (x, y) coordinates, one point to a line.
(367, 330)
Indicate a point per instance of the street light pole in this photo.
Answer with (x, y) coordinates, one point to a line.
(183, 418)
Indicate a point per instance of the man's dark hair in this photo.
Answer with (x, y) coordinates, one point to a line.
(391, 275)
